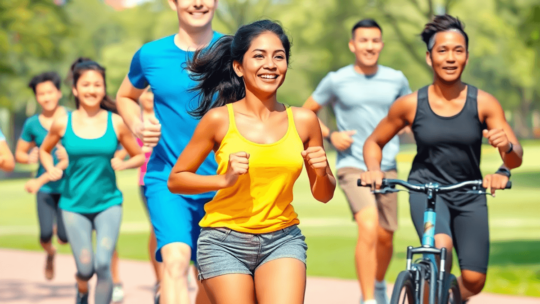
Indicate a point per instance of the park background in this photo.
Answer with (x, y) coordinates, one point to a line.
(40, 35)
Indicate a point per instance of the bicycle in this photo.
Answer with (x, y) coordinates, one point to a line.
(411, 283)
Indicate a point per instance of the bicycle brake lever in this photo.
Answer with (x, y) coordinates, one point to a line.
(385, 191)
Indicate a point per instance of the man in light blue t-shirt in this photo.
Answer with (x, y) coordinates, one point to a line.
(7, 162)
(161, 65)
(361, 95)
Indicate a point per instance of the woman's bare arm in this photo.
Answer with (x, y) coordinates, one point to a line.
(321, 179)
(183, 179)
(56, 132)
(128, 141)
(499, 132)
(400, 115)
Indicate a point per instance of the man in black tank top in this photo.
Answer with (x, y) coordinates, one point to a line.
(449, 119)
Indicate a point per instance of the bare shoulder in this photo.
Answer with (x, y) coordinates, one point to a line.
(488, 106)
(303, 115)
(216, 116)
(307, 123)
(486, 100)
(59, 124)
(404, 108)
(407, 100)
(117, 119)
(118, 124)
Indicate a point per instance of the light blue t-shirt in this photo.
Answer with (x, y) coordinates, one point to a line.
(360, 102)
(2, 137)
(161, 64)
(33, 131)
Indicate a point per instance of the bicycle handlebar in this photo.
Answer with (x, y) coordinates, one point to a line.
(391, 183)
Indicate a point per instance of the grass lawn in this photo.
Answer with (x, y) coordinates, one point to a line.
(331, 233)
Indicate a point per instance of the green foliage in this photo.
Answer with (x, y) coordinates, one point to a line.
(30, 30)
(505, 41)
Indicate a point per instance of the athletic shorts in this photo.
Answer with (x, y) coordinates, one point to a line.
(175, 218)
(467, 225)
(361, 197)
(224, 251)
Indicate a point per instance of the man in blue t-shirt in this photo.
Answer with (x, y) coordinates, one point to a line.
(161, 64)
(361, 95)
(7, 163)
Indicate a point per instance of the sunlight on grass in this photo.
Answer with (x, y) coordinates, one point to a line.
(329, 228)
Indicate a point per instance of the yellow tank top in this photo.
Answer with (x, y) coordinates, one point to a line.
(260, 201)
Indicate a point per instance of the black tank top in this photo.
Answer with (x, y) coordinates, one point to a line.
(448, 148)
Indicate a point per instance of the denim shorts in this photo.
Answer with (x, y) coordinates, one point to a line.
(223, 251)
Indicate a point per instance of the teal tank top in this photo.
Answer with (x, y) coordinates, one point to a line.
(89, 180)
(33, 131)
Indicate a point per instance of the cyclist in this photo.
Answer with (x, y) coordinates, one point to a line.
(361, 94)
(250, 249)
(7, 163)
(449, 118)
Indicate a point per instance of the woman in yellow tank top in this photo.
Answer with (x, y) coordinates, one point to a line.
(250, 249)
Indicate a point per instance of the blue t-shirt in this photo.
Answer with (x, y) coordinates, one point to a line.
(2, 137)
(360, 102)
(33, 131)
(161, 64)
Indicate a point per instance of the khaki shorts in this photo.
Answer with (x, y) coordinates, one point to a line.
(361, 197)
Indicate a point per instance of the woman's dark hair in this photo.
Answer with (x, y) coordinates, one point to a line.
(44, 77)
(442, 23)
(82, 65)
(366, 23)
(213, 68)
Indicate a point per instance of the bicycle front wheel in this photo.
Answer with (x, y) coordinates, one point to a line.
(403, 292)
(453, 295)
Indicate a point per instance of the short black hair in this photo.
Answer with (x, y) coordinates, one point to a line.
(44, 77)
(366, 23)
(442, 23)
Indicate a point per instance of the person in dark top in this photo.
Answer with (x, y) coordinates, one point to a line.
(449, 118)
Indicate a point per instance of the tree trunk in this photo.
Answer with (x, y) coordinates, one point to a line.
(521, 115)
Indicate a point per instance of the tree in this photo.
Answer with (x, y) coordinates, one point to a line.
(30, 31)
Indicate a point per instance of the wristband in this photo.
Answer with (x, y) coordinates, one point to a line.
(504, 171)
(328, 137)
(511, 148)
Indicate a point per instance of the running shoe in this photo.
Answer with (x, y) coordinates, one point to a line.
(49, 266)
(380, 292)
(118, 293)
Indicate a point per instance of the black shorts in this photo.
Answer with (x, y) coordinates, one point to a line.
(48, 214)
(467, 225)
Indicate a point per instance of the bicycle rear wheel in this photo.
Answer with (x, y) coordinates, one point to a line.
(403, 292)
(453, 294)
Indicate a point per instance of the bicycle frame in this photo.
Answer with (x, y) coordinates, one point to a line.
(428, 249)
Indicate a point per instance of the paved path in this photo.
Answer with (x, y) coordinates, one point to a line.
(22, 282)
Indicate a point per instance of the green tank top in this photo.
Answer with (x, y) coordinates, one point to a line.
(89, 180)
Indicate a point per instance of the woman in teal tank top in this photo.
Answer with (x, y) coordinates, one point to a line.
(90, 198)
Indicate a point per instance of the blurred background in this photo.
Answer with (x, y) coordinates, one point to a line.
(41, 35)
